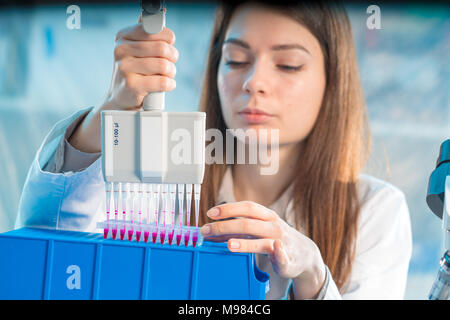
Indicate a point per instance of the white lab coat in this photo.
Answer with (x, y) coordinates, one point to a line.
(75, 201)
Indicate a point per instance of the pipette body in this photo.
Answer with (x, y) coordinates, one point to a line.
(137, 157)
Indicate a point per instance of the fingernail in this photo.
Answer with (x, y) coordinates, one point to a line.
(206, 229)
(214, 212)
(234, 244)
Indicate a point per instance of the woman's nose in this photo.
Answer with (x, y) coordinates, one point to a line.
(256, 80)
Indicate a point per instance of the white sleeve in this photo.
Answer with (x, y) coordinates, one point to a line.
(67, 158)
(383, 248)
(67, 201)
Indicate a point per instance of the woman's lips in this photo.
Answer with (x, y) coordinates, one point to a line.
(255, 116)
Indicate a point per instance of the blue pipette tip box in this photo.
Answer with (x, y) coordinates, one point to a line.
(53, 264)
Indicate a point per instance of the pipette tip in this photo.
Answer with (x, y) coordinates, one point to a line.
(114, 234)
(105, 233)
(171, 236)
(146, 233)
(130, 235)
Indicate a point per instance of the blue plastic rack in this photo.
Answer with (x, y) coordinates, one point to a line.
(50, 264)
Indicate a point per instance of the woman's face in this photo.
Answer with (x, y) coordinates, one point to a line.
(271, 74)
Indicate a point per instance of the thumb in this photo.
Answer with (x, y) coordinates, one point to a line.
(279, 253)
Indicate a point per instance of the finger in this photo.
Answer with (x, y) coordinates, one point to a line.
(145, 49)
(278, 252)
(247, 209)
(148, 66)
(253, 227)
(263, 246)
(140, 18)
(137, 33)
(226, 237)
(142, 85)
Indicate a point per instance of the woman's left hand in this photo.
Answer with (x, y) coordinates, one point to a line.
(261, 230)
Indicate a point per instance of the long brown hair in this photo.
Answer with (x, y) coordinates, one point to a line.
(325, 194)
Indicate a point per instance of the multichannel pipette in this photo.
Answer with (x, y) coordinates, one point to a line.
(142, 163)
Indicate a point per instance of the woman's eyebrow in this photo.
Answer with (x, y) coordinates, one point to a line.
(238, 42)
(289, 47)
(277, 47)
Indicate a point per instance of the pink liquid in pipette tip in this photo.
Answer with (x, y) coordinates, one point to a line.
(194, 238)
(171, 236)
(188, 232)
(138, 233)
(130, 234)
(138, 236)
(146, 233)
(154, 236)
(122, 233)
(186, 238)
(114, 230)
(162, 236)
(106, 230)
(178, 239)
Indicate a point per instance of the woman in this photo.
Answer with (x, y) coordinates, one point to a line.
(320, 228)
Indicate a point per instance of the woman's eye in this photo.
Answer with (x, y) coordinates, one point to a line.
(290, 68)
(235, 63)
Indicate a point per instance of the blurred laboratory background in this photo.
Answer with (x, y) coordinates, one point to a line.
(48, 71)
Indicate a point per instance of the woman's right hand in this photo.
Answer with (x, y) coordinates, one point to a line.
(143, 63)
